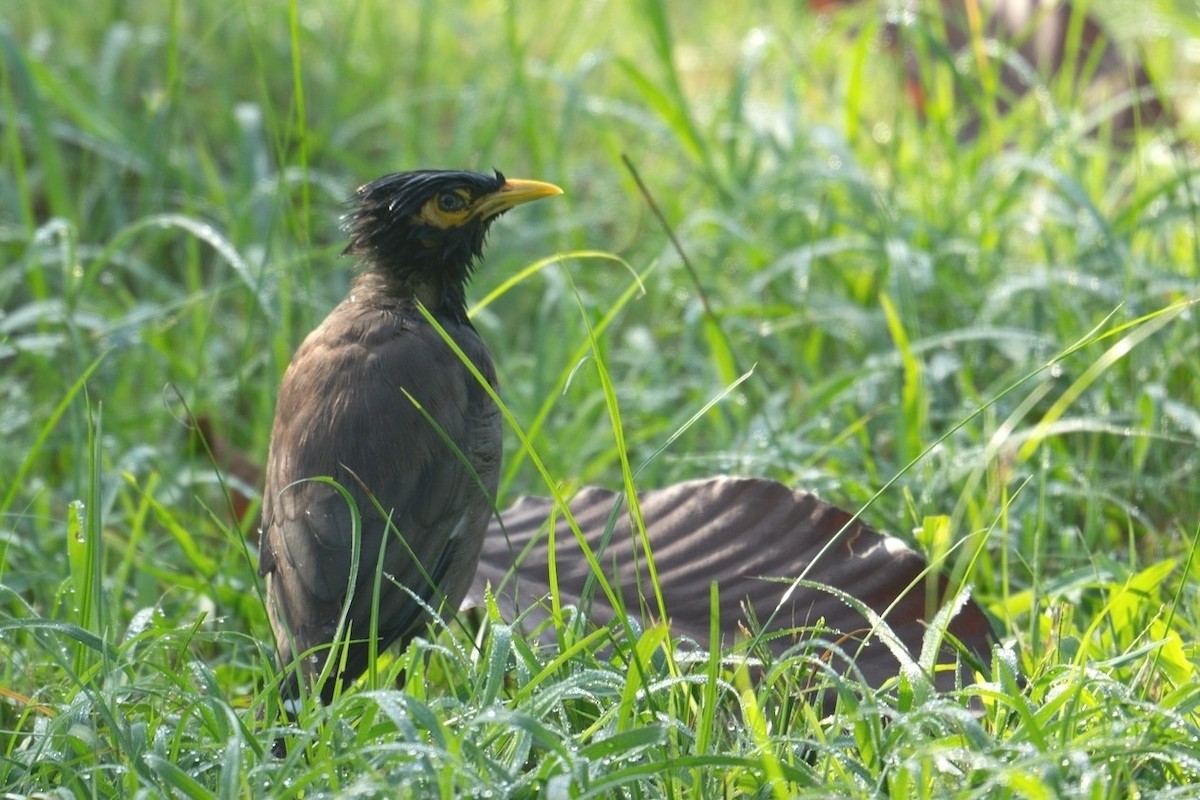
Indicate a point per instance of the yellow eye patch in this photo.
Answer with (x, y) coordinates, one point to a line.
(447, 209)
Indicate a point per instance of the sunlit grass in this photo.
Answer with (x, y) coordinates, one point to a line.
(999, 333)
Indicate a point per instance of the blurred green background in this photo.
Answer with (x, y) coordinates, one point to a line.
(997, 329)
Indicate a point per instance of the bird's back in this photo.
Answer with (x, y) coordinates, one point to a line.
(376, 400)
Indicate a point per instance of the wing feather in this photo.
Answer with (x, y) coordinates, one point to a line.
(753, 538)
(343, 413)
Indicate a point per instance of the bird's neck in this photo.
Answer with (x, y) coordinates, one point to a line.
(444, 298)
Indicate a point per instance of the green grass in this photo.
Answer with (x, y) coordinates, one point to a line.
(990, 343)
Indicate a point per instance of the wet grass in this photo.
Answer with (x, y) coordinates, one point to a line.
(989, 343)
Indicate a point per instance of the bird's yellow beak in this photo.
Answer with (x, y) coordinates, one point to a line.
(514, 192)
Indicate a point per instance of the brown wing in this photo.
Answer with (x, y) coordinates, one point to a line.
(752, 537)
(343, 413)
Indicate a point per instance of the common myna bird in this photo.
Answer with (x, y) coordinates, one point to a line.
(376, 403)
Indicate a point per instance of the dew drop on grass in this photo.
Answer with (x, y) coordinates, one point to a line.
(79, 508)
(901, 16)
(140, 622)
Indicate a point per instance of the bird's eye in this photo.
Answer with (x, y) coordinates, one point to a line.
(451, 201)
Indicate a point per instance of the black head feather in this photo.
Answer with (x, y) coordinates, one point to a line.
(420, 233)
(387, 233)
